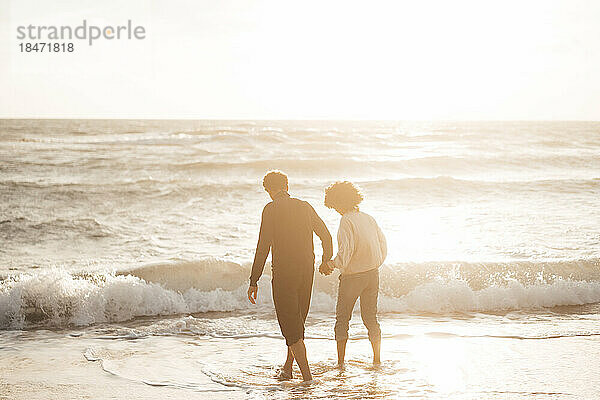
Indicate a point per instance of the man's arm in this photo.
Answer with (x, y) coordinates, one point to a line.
(263, 246)
(322, 232)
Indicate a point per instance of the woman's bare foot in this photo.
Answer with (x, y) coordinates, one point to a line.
(376, 352)
(310, 382)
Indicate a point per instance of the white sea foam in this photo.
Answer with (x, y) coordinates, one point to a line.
(57, 298)
(444, 296)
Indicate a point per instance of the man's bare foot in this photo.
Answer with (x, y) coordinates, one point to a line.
(283, 375)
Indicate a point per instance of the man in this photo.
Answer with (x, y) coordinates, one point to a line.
(287, 229)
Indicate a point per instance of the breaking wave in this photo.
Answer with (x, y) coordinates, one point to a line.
(57, 298)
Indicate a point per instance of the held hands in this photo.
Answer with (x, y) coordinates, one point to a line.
(252, 293)
(326, 268)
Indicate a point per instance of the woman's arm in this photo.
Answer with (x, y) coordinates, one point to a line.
(345, 239)
(382, 243)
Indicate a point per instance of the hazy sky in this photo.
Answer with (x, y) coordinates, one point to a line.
(310, 59)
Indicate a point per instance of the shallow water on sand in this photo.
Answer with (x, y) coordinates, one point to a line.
(550, 354)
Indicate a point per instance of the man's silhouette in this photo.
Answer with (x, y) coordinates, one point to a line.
(287, 230)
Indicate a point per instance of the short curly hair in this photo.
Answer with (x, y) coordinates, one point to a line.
(274, 181)
(343, 196)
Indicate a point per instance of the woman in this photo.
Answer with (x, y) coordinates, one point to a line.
(361, 251)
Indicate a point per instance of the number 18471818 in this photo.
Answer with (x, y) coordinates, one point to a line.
(46, 47)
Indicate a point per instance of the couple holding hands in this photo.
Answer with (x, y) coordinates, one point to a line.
(286, 230)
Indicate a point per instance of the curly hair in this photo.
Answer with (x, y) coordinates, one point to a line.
(343, 196)
(275, 180)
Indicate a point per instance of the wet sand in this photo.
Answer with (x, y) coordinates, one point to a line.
(64, 365)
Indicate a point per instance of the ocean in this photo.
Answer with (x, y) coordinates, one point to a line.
(126, 245)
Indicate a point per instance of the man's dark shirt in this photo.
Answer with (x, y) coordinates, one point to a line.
(287, 228)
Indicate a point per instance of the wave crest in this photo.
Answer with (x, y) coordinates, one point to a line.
(57, 298)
